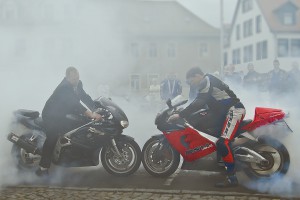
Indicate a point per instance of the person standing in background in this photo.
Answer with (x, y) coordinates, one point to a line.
(170, 87)
(277, 80)
(252, 79)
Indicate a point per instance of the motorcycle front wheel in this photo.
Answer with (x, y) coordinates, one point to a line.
(124, 162)
(159, 160)
(277, 156)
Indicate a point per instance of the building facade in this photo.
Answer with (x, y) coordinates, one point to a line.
(122, 43)
(262, 31)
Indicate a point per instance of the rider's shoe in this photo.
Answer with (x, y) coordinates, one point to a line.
(42, 172)
(230, 181)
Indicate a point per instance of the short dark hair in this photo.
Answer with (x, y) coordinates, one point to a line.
(193, 71)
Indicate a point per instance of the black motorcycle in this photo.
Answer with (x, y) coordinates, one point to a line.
(120, 154)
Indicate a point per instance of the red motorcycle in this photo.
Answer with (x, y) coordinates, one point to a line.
(258, 155)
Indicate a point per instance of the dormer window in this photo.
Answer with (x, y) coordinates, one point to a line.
(288, 18)
(287, 13)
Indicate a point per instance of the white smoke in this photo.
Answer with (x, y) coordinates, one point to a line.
(88, 35)
(38, 42)
(278, 185)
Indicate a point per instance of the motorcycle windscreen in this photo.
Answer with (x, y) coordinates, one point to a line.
(190, 144)
(115, 110)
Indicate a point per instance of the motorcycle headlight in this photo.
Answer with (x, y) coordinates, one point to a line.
(124, 124)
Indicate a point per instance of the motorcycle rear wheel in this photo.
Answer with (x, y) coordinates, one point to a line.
(127, 163)
(276, 154)
(159, 162)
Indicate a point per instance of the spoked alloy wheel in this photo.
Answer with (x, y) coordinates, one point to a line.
(160, 161)
(277, 156)
(124, 164)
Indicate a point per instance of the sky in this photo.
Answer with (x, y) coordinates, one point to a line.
(209, 10)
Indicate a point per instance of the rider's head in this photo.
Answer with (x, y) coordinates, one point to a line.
(72, 75)
(194, 76)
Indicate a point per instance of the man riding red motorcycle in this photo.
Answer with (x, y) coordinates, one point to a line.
(224, 108)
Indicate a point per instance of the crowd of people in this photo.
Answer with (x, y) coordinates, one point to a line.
(276, 82)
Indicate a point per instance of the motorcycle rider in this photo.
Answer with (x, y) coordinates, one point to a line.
(64, 100)
(224, 108)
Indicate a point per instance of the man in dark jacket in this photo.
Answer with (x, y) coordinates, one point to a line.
(224, 107)
(252, 79)
(64, 100)
(170, 87)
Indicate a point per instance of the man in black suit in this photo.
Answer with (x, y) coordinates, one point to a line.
(64, 100)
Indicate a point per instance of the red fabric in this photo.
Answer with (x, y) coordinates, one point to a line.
(229, 158)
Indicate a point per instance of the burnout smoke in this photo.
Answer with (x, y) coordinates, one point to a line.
(286, 184)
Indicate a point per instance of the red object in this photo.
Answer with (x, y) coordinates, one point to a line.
(264, 116)
(190, 144)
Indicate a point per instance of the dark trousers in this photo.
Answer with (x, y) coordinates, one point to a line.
(53, 129)
(209, 120)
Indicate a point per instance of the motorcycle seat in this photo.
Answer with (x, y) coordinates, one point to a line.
(245, 122)
(28, 113)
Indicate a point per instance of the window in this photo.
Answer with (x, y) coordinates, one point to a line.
(10, 11)
(153, 50)
(295, 47)
(247, 27)
(248, 54)
(261, 50)
(134, 49)
(203, 50)
(135, 82)
(171, 51)
(238, 32)
(49, 12)
(283, 47)
(258, 24)
(288, 18)
(225, 59)
(247, 5)
(236, 56)
(153, 78)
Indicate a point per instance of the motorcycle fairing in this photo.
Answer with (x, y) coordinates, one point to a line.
(190, 144)
(264, 116)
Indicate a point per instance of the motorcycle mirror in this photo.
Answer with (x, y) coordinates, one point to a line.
(169, 103)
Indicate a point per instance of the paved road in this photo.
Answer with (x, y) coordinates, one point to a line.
(95, 183)
(53, 193)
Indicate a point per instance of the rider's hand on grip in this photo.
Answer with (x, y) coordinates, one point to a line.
(96, 116)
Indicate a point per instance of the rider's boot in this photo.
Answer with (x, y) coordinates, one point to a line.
(231, 179)
(42, 172)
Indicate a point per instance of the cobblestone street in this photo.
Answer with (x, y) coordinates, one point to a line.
(56, 193)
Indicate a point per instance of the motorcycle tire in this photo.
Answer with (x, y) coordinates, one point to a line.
(276, 154)
(125, 165)
(160, 163)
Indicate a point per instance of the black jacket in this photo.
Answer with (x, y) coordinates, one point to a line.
(215, 94)
(66, 100)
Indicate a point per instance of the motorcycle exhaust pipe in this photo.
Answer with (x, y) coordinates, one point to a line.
(30, 148)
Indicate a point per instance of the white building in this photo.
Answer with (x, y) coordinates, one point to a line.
(263, 30)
